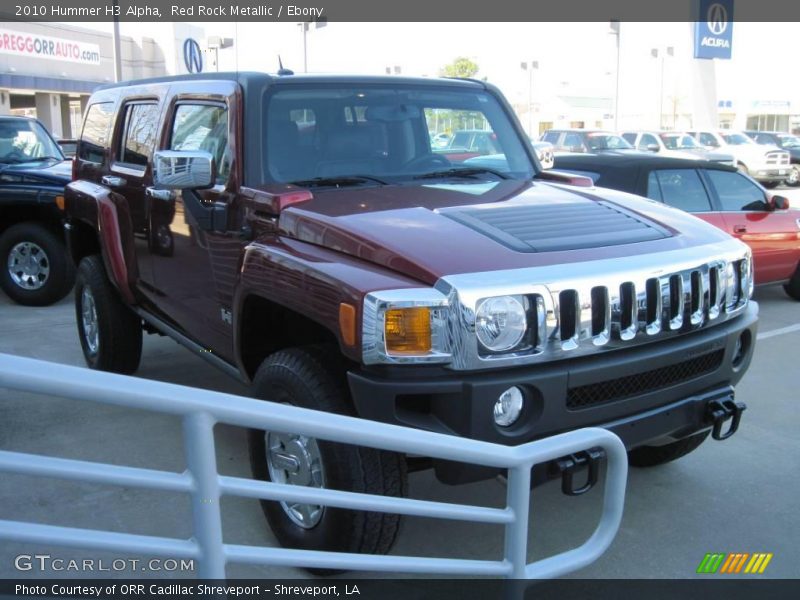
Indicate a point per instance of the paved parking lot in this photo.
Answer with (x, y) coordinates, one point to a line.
(734, 496)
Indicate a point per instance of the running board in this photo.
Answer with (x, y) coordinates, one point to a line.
(191, 345)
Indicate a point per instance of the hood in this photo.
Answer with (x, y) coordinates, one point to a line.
(427, 231)
(54, 172)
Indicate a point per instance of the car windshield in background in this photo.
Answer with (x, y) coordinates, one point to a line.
(606, 141)
(788, 141)
(737, 139)
(320, 136)
(24, 141)
(679, 142)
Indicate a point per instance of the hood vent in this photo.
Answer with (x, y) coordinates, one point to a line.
(554, 227)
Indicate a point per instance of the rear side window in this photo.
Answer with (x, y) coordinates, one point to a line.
(681, 188)
(203, 127)
(551, 136)
(736, 192)
(708, 140)
(95, 131)
(138, 134)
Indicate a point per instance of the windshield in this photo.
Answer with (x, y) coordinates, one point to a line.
(679, 141)
(22, 140)
(606, 141)
(388, 135)
(788, 141)
(737, 139)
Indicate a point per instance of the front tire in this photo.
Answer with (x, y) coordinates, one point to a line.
(36, 270)
(110, 333)
(793, 287)
(312, 377)
(794, 176)
(651, 456)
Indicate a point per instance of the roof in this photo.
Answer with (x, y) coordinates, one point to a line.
(628, 161)
(246, 78)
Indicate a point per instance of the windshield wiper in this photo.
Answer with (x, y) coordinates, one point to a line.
(461, 172)
(344, 180)
(40, 158)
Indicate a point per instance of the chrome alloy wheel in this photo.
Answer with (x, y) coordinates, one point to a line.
(28, 266)
(91, 331)
(296, 460)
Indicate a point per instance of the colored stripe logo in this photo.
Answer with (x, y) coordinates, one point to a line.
(735, 563)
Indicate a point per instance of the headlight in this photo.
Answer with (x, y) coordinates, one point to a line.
(500, 322)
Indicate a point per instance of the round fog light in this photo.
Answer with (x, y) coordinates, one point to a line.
(508, 407)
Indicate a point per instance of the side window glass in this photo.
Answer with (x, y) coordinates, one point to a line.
(138, 134)
(203, 127)
(551, 136)
(708, 140)
(653, 189)
(647, 140)
(94, 136)
(683, 189)
(736, 192)
(573, 140)
(630, 138)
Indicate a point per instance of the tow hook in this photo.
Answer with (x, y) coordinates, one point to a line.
(719, 411)
(567, 466)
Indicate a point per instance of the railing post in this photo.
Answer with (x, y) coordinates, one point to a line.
(201, 462)
(518, 495)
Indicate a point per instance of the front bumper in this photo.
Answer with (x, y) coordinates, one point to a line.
(650, 394)
(771, 173)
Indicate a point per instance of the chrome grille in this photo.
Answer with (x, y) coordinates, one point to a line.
(779, 159)
(600, 309)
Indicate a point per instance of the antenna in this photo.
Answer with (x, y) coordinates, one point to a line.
(282, 71)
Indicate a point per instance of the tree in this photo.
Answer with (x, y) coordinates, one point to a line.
(461, 67)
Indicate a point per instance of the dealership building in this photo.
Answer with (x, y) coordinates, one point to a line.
(48, 70)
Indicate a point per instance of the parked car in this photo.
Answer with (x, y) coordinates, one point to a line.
(352, 269)
(35, 268)
(769, 165)
(498, 162)
(785, 141)
(674, 144)
(440, 140)
(716, 193)
(68, 147)
(586, 140)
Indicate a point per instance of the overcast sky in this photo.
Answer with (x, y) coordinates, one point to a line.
(574, 58)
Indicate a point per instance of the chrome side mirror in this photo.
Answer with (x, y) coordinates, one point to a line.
(183, 169)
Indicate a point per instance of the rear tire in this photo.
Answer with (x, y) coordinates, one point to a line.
(312, 377)
(651, 456)
(35, 269)
(110, 333)
(771, 185)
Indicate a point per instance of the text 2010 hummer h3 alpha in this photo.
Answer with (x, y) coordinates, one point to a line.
(304, 234)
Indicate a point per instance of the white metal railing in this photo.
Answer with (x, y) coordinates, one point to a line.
(202, 409)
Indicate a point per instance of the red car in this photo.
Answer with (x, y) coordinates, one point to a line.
(717, 194)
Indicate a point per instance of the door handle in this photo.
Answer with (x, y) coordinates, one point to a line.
(113, 181)
(740, 229)
(160, 194)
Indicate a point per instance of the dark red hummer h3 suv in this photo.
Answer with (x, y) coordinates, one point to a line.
(301, 233)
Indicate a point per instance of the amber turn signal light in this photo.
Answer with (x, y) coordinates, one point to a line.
(408, 330)
(60, 202)
(347, 323)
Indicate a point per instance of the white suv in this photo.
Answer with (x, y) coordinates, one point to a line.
(768, 165)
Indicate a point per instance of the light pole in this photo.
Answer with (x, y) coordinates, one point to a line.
(529, 66)
(615, 32)
(669, 51)
(304, 26)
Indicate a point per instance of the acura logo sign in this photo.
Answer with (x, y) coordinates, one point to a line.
(717, 19)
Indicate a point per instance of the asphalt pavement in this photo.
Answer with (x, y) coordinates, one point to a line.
(739, 495)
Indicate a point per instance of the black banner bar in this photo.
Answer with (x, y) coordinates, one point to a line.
(733, 588)
(372, 11)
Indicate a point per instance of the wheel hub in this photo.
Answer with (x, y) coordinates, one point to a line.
(91, 331)
(296, 460)
(28, 266)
